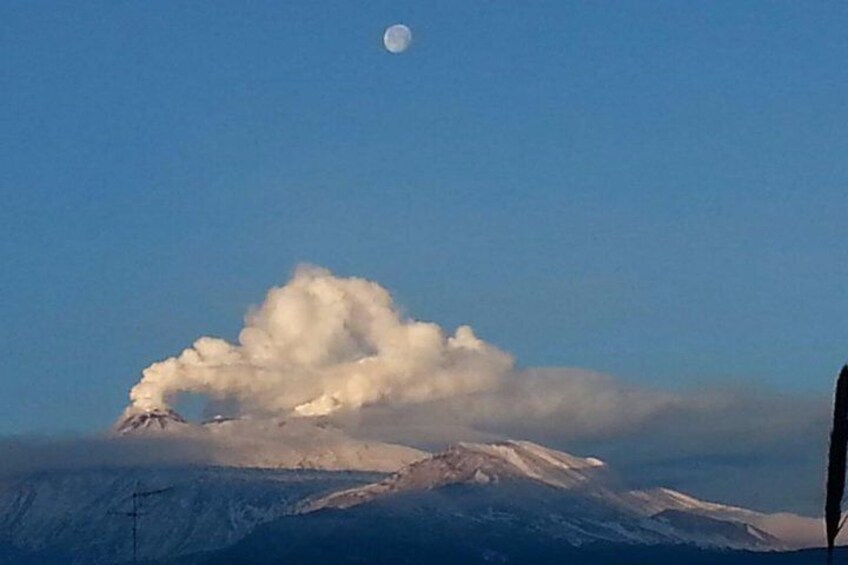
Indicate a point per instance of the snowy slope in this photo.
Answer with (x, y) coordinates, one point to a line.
(671, 515)
(84, 512)
(509, 488)
(476, 463)
(296, 443)
(794, 531)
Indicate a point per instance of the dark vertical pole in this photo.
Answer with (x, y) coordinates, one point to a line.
(836, 462)
(137, 497)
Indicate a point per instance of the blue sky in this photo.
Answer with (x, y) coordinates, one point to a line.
(658, 190)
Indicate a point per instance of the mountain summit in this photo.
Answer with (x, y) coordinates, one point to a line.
(275, 443)
(158, 419)
(477, 463)
(577, 498)
(472, 499)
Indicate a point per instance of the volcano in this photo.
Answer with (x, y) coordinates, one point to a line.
(270, 443)
(157, 419)
(474, 502)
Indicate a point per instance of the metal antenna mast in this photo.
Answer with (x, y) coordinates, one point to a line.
(137, 496)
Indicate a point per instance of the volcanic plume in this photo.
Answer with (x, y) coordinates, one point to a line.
(322, 344)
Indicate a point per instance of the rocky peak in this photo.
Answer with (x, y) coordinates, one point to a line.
(156, 419)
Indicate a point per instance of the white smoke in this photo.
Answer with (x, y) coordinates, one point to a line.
(539, 404)
(322, 344)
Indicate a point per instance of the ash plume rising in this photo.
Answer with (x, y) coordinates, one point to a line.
(322, 344)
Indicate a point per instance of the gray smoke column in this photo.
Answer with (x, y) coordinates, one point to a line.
(322, 344)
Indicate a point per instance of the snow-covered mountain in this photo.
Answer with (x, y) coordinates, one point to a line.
(476, 463)
(642, 516)
(510, 490)
(294, 443)
(158, 420)
(83, 514)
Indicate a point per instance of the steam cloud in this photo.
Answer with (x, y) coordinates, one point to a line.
(323, 344)
(328, 345)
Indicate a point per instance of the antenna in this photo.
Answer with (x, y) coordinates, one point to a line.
(137, 496)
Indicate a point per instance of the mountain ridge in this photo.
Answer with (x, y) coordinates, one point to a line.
(311, 477)
(270, 443)
(590, 478)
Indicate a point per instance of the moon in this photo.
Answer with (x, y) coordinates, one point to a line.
(397, 38)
